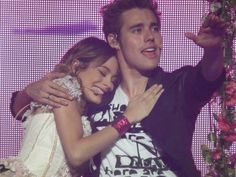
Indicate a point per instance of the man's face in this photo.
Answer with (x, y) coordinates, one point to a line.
(140, 40)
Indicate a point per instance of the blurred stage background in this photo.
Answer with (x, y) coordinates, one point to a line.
(34, 35)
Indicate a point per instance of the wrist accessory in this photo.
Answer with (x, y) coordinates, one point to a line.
(13, 97)
(22, 119)
(3, 168)
(121, 124)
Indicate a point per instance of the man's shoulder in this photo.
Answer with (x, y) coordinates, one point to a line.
(161, 76)
(183, 69)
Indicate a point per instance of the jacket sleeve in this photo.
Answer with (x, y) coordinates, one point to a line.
(197, 88)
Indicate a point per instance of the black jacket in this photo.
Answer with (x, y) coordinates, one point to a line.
(172, 121)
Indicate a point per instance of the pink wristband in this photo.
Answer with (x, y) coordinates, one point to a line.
(121, 124)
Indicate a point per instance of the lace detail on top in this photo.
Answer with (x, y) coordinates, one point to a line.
(64, 171)
(86, 126)
(16, 166)
(73, 86)
(18, 169)
(45, 124)
(68, 82)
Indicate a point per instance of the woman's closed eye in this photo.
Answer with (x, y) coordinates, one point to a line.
(102, 71)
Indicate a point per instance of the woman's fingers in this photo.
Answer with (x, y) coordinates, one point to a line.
(141, 105)
(53, 75)
(156, 97)
(152, 92)
(152, 97)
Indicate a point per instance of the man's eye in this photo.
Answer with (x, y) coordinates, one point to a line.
(137, 30)
(155, 28)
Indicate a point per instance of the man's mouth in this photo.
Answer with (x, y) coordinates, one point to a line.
(150, 52)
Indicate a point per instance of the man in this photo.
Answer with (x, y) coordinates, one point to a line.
(161, 145)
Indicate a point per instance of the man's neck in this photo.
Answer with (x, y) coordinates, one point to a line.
(133, 83)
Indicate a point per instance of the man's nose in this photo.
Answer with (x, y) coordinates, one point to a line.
(149, 36)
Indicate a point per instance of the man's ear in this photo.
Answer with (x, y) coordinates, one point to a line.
(113, 41)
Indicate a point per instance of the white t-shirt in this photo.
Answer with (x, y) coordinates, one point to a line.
(134, 154)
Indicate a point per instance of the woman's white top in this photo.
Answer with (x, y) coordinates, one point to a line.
(41, 154)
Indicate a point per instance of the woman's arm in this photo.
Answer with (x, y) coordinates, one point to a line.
(78, 149)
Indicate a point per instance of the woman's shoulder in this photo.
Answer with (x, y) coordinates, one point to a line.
(72, 84)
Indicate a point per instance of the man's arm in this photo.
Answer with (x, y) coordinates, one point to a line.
(18, 104)
(212, 63)
(210, 38)
(44, 91)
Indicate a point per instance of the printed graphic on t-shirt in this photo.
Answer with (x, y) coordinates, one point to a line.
(134, 154)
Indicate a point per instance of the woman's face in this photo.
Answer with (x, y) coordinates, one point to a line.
(97, 80)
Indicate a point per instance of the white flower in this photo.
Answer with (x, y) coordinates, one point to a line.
(214, 7)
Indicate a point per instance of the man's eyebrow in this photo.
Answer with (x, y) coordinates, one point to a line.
(154, 24)
(141, 25)
(136, 26)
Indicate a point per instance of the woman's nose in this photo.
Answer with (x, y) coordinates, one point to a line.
(108, 84)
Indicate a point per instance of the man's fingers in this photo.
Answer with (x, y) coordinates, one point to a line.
(51, 103)
(191, 36)
(218, 25)
(52, 94)
(53, 100)
(213, 20)
(57, 101)
(205, 30)
(59, 91)
(54, 75)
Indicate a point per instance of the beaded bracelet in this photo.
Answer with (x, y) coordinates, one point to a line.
(121, 124)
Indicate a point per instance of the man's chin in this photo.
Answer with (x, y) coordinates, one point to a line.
(148, 72)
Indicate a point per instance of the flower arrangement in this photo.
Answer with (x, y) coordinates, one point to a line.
(220, 160)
